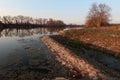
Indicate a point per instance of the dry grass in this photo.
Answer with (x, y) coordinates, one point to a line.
(115, 28)
(107, 38)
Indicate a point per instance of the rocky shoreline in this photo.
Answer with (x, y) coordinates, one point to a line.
(76, 64)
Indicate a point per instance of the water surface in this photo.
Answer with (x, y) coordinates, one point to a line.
(23, 55)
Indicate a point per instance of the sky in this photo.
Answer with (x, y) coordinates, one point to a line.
(70, 11)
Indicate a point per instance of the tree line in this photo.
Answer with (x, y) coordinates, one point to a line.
(99, 15)
(26, 21)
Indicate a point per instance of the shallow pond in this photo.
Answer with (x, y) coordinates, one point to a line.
(23, 56)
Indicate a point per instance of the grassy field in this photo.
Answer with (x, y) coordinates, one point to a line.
(104, 39)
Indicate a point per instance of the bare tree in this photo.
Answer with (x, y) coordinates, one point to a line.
(99, 15)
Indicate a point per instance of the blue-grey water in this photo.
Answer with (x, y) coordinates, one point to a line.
(23, 56)
(9, 38)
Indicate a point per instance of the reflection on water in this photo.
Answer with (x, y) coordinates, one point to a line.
(9, 37)
(27, 32)
(23, 56)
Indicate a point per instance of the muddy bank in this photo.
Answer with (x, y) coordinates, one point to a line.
(92, 56)
(76, 64)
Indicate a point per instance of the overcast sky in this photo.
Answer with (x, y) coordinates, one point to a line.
(70, 11)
